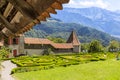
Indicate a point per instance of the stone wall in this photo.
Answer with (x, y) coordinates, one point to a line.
(14, 47)
(33, 51)
(77, 49)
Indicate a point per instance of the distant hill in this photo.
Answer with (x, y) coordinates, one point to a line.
(118, 11)
(100, 19)
(56, 28)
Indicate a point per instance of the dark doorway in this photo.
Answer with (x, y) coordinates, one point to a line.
(15, 53)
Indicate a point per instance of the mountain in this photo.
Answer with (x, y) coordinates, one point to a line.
(100, 19)
(56, 28)
(117, 11)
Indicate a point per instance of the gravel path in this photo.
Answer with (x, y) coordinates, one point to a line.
(6, 70)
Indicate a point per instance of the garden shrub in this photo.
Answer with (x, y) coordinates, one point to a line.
(102, 59)
(45, 62)
(28, 69)
(47, 51)
(94, 59)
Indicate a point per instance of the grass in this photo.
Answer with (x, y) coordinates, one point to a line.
(35, 63)
(101, 70)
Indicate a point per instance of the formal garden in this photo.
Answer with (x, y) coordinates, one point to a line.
(101, 70)
(35, 63)
(98, 63)
(67, 67)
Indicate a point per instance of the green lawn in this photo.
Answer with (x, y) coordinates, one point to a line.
(101, 70)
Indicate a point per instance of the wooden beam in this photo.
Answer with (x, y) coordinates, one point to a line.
(8, 9)
(7, 32)
(57, 5)
(26, 9)
(51, 10)
(46, 14)
(2, 35)
(16, 18)
(41, 5)
(1, 26)
(63, 1)
(7, 24)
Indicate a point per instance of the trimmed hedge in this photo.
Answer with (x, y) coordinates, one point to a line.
(28, 69)
(26, 64)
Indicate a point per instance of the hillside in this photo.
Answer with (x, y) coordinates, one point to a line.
(59, 29)
(100, 19)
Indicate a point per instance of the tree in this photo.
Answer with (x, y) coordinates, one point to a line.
(113, 45)
(95, 46)
(4, 52)
(47, 51)
(56, 40)
(84, 47)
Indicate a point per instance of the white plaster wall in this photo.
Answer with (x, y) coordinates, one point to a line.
(33, 51)
(13, 47)
(77, 49)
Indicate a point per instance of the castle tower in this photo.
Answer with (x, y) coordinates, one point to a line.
(21, 44)
(16, 45)
(74, 40)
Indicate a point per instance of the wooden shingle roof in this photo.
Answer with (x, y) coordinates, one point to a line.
(19, 16)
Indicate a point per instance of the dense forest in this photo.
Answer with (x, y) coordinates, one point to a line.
(58, 29)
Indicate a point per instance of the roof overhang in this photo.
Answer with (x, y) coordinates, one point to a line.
(19, 16)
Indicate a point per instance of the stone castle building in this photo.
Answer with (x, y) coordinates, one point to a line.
(30, 46)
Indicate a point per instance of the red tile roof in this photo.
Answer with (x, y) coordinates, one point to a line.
(62, 45)
(46, 41)
(36, 41)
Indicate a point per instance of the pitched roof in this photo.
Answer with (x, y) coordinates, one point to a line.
(48, 42)
(36, 41)
(73, 39)
(27, 13)
(62, 45)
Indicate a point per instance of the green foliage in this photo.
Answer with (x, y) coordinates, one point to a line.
(28, 69)
(84, 47)
(62, 30)
(94, 59)
(114, 45)
(4, 52)
(95, 46)
(47, 51)
(101, 70)
(35, 33)
(56, 40)
(27, 63)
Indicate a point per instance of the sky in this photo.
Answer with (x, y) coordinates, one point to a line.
(112, 5)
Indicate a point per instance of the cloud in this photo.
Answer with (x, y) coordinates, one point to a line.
(87, 3)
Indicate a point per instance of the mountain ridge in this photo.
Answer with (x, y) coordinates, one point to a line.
(60, 29)
(100, 19)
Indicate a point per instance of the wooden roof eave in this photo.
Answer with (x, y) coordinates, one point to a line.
(26, 9)
(31, 13)
(46, 13)
(6, 23)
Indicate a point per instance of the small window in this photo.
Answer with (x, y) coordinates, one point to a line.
(15, 41)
